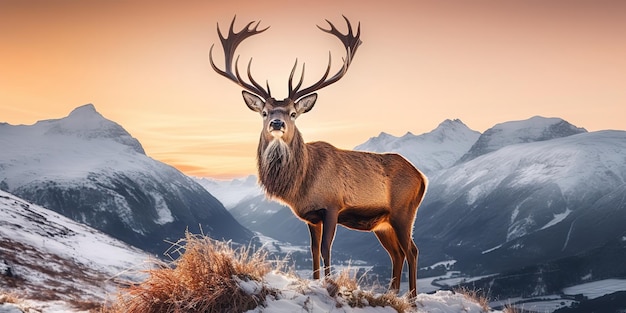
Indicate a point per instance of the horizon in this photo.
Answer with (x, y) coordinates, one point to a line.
(94, 108)
(145, 66)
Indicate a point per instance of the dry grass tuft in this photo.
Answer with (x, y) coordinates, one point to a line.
(9, 298)
(345, 288)
(12, 298)
(204, 278)
(475, 296)
(510, 309)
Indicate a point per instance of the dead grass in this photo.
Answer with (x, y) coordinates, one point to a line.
(475, 296)
(9, 298)
(510, 309)
(345, 288)
(206, 275)
(202, 279)
(12, 298)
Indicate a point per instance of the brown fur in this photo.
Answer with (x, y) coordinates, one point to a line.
(324, 186)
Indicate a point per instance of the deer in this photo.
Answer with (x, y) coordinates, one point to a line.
(321, 184)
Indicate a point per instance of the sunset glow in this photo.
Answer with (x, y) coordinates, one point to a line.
(144, 65)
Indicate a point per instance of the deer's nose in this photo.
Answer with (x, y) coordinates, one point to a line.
(277, 124)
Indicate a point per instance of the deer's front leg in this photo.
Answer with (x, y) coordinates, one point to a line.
(329, 226)
(315, 230)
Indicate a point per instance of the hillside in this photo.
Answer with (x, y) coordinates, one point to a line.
(59, 264)
(91, 170)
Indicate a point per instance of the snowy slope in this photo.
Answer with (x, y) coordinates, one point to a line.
(430, 152)
(534, 201)
(54, 258)
(83, 264)
(536, 128)
(90, 169)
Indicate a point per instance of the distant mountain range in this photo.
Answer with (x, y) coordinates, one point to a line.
(91, 170)
(430, 152)
(537, 205)
(523, 193)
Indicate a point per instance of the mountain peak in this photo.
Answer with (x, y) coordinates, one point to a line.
(454, 130)
(449, 122)
(430, 151)
(536, 128)
(85, 111)
(86, 122)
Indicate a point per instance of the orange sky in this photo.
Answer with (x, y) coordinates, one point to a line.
(144, 65)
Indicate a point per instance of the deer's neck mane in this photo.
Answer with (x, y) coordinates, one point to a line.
(282, 167)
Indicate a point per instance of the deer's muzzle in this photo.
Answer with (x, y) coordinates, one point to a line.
(277, 125)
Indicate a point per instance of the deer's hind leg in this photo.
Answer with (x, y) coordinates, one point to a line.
(404, 230)
(389, 240)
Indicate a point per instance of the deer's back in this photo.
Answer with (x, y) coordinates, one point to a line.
(355, 179)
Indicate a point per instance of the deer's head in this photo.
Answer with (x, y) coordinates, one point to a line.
(279, 115)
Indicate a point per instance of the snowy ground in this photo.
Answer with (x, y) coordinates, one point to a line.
(44, 249)
(58, 261)
(298, 295)
(597, 289)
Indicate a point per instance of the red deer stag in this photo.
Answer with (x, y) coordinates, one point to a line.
(324, 185)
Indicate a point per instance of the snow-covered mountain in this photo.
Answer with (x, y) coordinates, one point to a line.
(90, 169)
(48, 257)
(430, 152)
(231, 192)
(529, 202)
(536, 128)
(538, 198)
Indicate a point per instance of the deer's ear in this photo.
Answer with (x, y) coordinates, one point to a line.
(306, 104)
(253, 101)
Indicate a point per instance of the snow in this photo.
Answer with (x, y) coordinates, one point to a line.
(597, 289)
(447, 264)
(65, 149)
(548, 303)
(557, 218)
(94, 259)
(64, 237)
(536, 128)
(431, 151)
(446, 302)
(298, 295)
(231, 192)
(492, 249)
(572, 163)
(163, 212)
(10, 308)
(86, 159)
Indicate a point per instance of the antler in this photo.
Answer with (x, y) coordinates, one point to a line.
(350, 41)
(229, 44)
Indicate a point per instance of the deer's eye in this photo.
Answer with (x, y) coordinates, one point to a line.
(264, 113)
(293, 114)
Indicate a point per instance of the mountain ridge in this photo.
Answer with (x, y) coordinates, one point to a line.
(91, 169)
(431, 151)
(536, 128)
